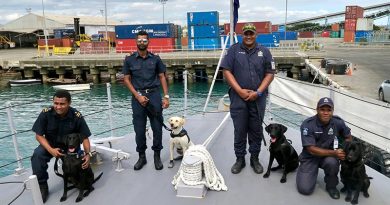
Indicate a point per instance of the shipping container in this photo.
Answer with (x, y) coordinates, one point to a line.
(364, 24)
(178, 43)
(274, 28)
(184, 41)
(306, 34)
(267, 40)
(57, 42)
(203, 18)
(282, 28)
(354, 12)
(61, 33)
(203, 31)
(289, 35)
(204, 43)
(261, 27)
(155, 45)
(349, 36)
(341, 33)
(363, 36)
(94, 47)
(325, 34)
(335, 27)
(153, 30)
(110, 34)
(67, 42)
(335, 34)
(350, 24)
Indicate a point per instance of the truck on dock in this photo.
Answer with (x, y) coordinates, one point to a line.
(6, 43)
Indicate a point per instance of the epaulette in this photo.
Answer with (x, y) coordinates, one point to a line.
(46, 109)
(78, 114)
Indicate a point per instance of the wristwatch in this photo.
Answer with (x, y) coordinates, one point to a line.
(166, 96)
(259, 94)
(89, 153)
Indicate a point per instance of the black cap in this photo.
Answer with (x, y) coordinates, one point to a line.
(325, 101)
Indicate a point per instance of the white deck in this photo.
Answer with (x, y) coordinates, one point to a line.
(149, 186)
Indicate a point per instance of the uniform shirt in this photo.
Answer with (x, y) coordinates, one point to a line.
(248, 66)
(313, 132)
(143, 71)
(53, 127)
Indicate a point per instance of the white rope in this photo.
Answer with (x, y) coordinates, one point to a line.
(192, 174)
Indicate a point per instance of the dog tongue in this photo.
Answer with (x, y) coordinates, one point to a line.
(71, 149)
(273, 139)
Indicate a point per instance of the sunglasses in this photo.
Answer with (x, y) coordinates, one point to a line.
(142, 40)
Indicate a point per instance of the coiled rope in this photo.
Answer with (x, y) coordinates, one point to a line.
(192, 173)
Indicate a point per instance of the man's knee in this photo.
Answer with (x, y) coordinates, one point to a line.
(331, 165)
(305, 190)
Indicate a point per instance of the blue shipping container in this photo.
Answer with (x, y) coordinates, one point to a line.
(281, 28)
(363, 36)
(203, 18)
(154, 30)
(267, 40)
(203, 31)
(204, 43)
(60, 33)
(290, 35)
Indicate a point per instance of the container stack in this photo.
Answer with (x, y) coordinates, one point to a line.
(352, 13)
(364, 29)
(161, 37)
(203, 30)
(335, 33)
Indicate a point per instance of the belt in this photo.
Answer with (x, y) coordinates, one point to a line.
(148, 90)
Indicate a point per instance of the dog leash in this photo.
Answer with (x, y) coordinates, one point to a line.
(155, 114)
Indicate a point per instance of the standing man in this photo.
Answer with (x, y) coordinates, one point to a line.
(144, 75)
(321, 136)
(50, 128)
(249, 69)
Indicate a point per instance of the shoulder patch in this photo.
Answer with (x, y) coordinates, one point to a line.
(46, 109)
(78, 114)
(305, 131)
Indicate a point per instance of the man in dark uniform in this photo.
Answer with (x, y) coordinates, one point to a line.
(51, 126)
(323, 136)
(249, 69)
(144, 75)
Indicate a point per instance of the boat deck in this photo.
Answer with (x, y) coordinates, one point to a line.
(149, 186)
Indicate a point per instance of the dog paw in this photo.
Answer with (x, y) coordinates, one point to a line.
(343, 189)
(283, 180)
(365, 194)
(266, 175)
(354, 201)
(348, 199)
(171, 164)
(63, 199)
(78, 199)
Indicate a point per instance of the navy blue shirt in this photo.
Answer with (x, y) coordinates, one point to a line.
(313, 132)
(143, 71)
(248, 66)
(53, 127)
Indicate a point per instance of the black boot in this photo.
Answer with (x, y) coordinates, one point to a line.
(255, 164)
(240, 163)
(44, 191)
(157, 161)
(141, 161)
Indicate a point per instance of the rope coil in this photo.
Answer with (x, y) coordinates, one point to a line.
(192, 175)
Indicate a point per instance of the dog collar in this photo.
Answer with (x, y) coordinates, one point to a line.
(180, 134)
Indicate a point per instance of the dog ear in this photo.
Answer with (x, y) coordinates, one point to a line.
(183, 121)
(283, 128)
(267, 129)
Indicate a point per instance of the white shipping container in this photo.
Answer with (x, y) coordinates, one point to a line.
(364, 24)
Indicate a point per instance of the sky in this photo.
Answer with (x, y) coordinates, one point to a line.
(151, 11)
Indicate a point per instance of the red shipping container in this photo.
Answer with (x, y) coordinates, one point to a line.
(67, 42)
(350, 25)
(261, 27)
(57, 42)
(305, 34)
(111, 35)
(349, 36)
(335, 27)
(86, 47)
(184, 41)
(354, 12)
(156, 45)
(275, 28)
(325, 34)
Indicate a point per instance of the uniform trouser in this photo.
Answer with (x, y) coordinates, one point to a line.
(39, 163)
(247, 120)
(140, 115)
(308, 171)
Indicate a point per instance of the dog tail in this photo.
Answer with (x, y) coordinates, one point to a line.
(97, 178)
(56, 169)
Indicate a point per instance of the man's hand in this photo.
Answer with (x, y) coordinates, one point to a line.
(340, 154)
(143, 100)
(56, 152)
(252, 96)
(86, 160)
(165, 103)
(244, 93)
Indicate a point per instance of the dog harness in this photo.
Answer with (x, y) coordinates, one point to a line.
(180, 134)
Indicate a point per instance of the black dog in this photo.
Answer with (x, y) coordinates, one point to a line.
(281, 149)
(73, 171)
(353, 173)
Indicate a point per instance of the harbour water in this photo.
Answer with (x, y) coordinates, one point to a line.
(27, 102)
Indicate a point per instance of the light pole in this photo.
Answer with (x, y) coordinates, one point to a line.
(44, 29)
(285, 24)
(163, 2)
(105, 17)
